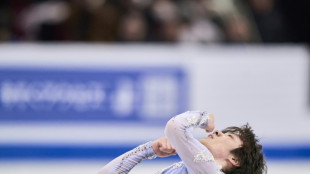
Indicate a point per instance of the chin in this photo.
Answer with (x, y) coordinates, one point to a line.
(205, 143)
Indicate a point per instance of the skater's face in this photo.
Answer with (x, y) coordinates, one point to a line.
(221, 144)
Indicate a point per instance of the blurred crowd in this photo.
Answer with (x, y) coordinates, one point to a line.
(201, 21)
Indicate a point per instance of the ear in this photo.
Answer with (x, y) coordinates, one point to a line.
(233, 160)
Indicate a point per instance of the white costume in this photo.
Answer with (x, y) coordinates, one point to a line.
(196, 158)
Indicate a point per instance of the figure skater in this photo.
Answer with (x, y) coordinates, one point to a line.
(234, 150)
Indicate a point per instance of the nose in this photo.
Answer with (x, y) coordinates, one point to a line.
(218, 133)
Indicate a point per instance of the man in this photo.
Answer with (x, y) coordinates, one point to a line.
(232, 151)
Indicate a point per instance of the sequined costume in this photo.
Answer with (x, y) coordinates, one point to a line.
(196, 158)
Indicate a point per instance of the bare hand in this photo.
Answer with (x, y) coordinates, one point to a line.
(163, 148)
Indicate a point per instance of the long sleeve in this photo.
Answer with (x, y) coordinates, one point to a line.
(196, 157)
(124, 163)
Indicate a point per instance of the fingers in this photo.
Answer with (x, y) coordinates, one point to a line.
(174, 152)
(209, 130)
(163, 148)
(166, 147)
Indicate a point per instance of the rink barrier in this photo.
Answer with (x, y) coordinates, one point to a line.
(25, 152)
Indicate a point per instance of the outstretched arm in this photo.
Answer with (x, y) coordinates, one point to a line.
(127, 161)
(124, 163)
(196, 157)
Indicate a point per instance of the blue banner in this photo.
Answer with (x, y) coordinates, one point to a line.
(146, 94)
(10, 151)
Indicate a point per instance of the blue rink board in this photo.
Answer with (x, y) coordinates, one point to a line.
(50, 152)
(109, 94)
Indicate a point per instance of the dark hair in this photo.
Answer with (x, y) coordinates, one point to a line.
(249, 155)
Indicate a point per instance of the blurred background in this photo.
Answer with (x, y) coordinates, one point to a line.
(171, 21)
(83, 81)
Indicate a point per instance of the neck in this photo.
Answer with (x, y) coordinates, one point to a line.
(223, 163)
(220, 162)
